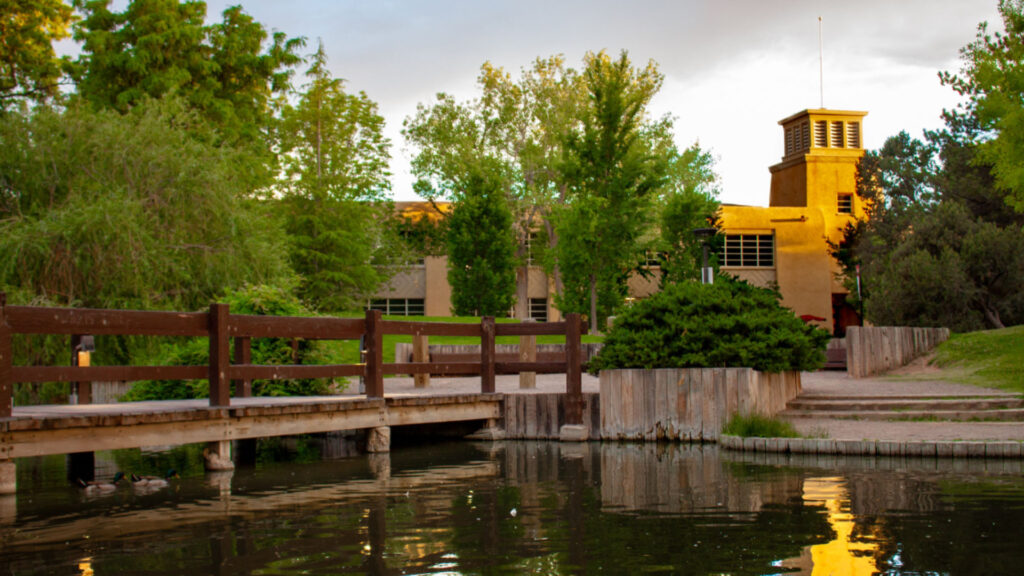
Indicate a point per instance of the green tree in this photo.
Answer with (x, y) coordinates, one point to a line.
(613, 173)
(228, 71)
(29, 68)
(516, 129)
(688, 202)
(940, 245)
(334, 191)
(138, 210)
(481, 250)
(991, 80)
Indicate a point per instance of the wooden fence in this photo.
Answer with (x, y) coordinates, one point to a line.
(226, 365)
(873, 350)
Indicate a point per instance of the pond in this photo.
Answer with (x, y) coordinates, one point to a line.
(518, 508)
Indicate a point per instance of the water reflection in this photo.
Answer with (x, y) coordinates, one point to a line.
(528, 507)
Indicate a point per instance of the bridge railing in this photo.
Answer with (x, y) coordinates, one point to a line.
(226, 365)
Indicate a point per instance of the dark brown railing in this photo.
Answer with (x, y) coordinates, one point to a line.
(221, 328)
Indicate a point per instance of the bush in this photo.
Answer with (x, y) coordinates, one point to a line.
(757, 426)
(256, 300)
(729, 323)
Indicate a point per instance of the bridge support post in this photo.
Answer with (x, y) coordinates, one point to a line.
(218, 455)
(378, 439)
(8, 477)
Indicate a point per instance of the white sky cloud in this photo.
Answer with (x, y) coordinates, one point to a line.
(733, 67)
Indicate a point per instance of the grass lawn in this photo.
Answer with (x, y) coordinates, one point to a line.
(347, 352)
(993, 358)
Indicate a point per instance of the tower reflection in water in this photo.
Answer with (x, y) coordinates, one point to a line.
(847, 553)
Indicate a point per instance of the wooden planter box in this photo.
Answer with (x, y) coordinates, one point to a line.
(690, 404)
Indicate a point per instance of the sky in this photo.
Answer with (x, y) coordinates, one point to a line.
(733, 68)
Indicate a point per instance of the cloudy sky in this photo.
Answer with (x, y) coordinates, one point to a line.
(733, 68)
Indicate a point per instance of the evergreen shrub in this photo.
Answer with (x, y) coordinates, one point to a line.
(726, 324)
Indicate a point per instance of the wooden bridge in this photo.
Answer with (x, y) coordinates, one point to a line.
(84, 428)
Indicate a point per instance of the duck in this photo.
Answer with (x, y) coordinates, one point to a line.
(96, 486)
(153, 481)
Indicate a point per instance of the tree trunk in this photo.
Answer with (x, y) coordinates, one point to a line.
(593, 304)
(522, 293)
(992, 315)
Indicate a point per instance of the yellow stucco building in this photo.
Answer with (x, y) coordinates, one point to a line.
(812, 198)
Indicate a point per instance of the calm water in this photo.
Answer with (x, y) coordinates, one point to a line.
(521, 507)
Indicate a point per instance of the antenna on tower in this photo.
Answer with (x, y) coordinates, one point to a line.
(821, 66)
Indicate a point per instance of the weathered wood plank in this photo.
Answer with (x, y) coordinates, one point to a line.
(220, 390)
(6, 362)
(296, 327)
(374, 342)
(487, 372)
(107, 373)
(531, 329)
(38, 320)
(408, 328)
(281, 371)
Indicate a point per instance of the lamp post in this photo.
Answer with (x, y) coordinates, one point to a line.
(707, 274)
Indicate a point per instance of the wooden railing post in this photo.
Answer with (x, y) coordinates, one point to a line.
(420, 353)
(243, 355)
(573, 369)
(487, 332)
(82, 390)
(6, 363)
(220, 360)
(374, 355)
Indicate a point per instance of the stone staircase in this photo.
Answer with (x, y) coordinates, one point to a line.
(917, 408)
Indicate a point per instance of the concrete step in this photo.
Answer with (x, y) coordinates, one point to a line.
(1001, 415)
(902, 404)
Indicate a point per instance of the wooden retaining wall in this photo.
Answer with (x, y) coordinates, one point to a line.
(687, 403)
(541, 416)
(873, 350)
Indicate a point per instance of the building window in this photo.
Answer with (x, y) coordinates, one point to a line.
(398, 306)
(539, 309)
(845, 204)
(749, 250)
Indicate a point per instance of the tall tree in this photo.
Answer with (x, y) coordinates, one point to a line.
(991, 78)
(481, 250)
(516, 128)
(613, 174)
(229, 71)
(336, 181)
(29, 68)
(688, 202)
(139, 210)
(940, 245)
